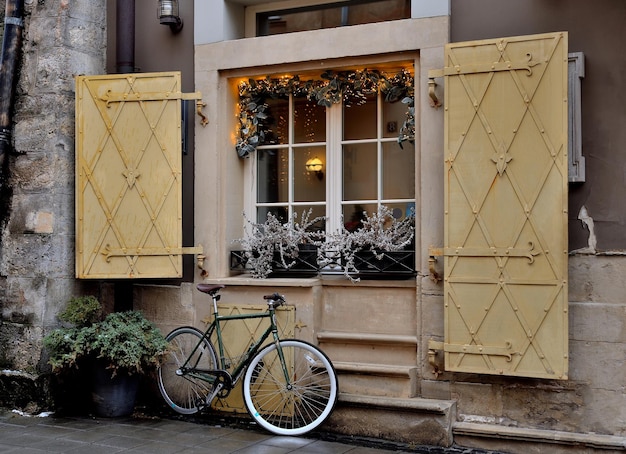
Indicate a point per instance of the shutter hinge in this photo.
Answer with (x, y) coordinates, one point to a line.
(433, 348)
(433, 253)
(112, 97)
(109, 252)
(432, 96)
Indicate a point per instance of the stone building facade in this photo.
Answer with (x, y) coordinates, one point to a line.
(376, 332)
(61, 39)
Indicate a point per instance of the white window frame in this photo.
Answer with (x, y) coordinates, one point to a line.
(333, 167)
(335, 222)
(289, 146)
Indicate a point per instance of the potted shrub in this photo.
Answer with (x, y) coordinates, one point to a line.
(380, 246)
(115, 350)
(272, 247)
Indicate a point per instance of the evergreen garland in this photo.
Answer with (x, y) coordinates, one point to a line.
(352, 87)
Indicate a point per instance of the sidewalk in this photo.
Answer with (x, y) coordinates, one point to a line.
(49, 434)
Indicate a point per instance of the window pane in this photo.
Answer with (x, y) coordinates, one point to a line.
(401, 210)
(317, 211)
(277, 121)
(332, 15)
(309, 185)
(359, 171)
(272, 176)
(398, 171)
(354, 214)
(359, 121)
(309, 121)
(280, 213)
(394, 114)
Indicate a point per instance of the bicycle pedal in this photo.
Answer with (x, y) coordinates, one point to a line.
(216, 389)
(201, 405)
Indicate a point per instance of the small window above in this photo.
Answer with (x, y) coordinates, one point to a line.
(329, 15)
(576, 72)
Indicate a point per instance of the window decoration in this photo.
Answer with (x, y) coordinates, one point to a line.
(351, 87)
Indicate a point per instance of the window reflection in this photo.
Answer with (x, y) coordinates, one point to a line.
(272, 176)
(309, 186)
(309, 121)
(359, 120)
(359, 171)
(398, 172)
(331, 15)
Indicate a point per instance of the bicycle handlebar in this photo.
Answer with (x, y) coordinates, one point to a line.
(276, 298)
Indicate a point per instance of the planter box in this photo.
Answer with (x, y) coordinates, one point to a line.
(305, 263)
(392, 265)
(238, 261)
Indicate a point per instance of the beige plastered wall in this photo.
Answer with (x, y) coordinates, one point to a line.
(325, 305)
(592, 400)
(221, 192)
(373, 324)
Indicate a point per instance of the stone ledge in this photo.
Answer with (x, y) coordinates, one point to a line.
(503, 433)
(369, 338)
(22, 390)
(439, 407)
(375, 369)
(404, 420)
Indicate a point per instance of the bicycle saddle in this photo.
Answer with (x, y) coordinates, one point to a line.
(209, 288)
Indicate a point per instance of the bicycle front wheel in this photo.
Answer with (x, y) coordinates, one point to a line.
(185, 392)
(292, 404)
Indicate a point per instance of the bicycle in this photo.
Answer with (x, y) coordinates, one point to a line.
(289, 386)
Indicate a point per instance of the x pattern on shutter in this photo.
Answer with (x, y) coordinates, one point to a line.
(128, 176)
(505, 237)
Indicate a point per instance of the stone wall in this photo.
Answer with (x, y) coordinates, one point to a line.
(592, 400)
(62, 38)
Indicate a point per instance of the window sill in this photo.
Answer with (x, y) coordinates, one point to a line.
(322, 280)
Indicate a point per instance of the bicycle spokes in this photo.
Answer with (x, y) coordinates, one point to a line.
(296, 405)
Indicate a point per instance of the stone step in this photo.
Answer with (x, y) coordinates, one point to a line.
(405, 420)
(376, 379)
(373, 364)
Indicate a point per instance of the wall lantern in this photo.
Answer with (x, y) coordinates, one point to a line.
(315, 165)
(168, 15)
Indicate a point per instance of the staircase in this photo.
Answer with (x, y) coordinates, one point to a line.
(369, 331)
(378, 383)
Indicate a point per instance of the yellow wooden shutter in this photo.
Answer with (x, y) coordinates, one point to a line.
(505, 248)
(128, 176)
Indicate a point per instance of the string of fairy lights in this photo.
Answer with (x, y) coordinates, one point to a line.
(349, 87)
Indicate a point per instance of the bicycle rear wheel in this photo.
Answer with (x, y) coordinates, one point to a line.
(299, 405)
(185, 393)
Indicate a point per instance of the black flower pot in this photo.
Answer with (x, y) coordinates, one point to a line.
(304, 264)
(113, 396)
(389, 265)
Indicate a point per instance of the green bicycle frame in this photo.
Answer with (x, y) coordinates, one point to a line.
(215, 326)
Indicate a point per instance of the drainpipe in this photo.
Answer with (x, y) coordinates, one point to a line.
(11, 48)
(124, 64)
(125, 36)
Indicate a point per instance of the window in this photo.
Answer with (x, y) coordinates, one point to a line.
(302, 16)
(576, 72)
(360, 163)
(374, 169)
(284, 185)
